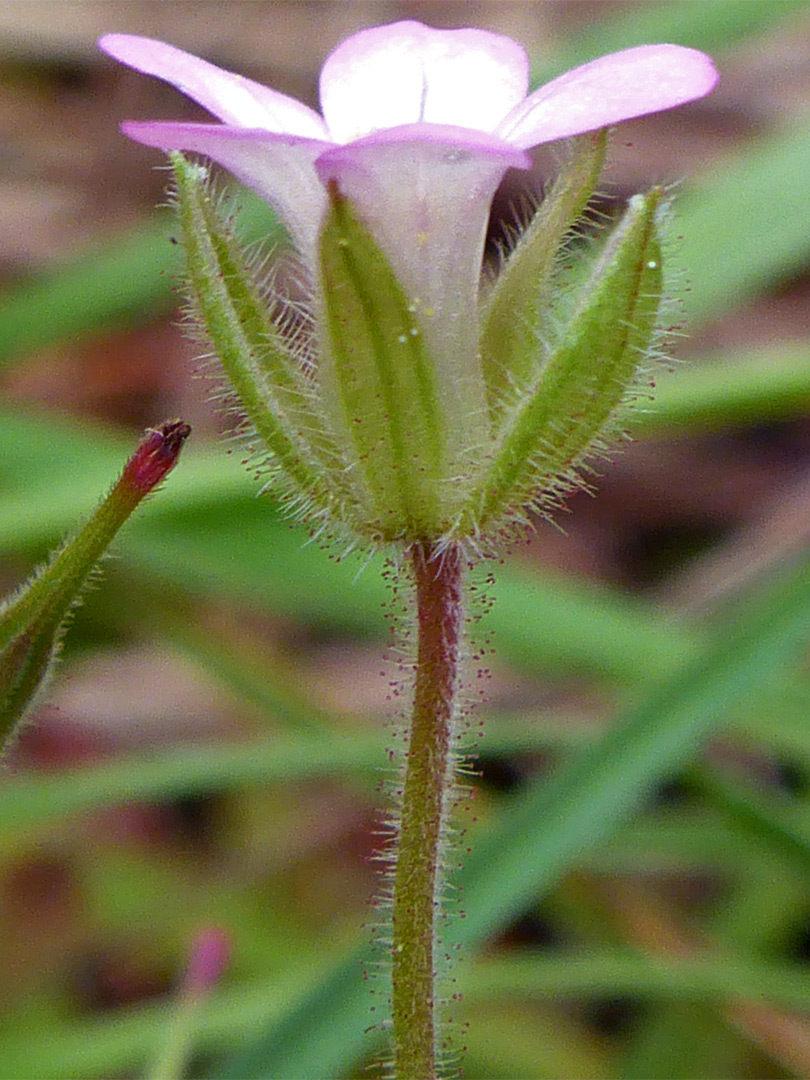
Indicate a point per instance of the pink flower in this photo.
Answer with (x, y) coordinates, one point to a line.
(406, 100)
(418, 128)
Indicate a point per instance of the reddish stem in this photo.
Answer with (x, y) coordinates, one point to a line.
(428, 774)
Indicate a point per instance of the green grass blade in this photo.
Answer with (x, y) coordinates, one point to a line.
(742, 225)
(94, 1047)
(732, 389)
(31, 803)
(123, 283)
(715, 26)
(578, 808)
(114, 286)
(768, 820)
(615, 973)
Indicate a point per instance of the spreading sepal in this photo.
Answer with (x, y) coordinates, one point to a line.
(554, 425)
(514, 319)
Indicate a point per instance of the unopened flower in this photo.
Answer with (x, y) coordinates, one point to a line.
(33, 620)
(421, 399)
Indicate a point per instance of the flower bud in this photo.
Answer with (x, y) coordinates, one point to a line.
(33, 621)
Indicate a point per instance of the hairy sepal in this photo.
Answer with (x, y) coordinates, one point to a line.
(376, 361)
(516, 310)
(266, 375)
(572, 402)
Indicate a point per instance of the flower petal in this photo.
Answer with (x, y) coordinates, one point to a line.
(232, 98)
(406, 73)
(617, 87)
(424, 192)
(279, 168)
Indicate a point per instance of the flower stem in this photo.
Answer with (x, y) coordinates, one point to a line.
(428, 774)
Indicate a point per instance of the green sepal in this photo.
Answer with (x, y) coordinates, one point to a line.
(515, 314)
(383, 376)
(268, 379)
(551, 429)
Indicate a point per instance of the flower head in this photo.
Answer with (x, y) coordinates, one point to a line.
(400, 100)
(416, 131)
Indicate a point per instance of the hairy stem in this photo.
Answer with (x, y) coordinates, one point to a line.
(428, 772)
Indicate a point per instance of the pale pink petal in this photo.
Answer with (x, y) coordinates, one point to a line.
(426, 197)
(233, 98)
(407, 73)
(279, 168)
(617, 87)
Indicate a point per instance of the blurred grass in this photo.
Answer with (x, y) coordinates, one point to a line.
(548, 829)
(721, 26)
(235, 1013)
(115, 287)
(298, 1005)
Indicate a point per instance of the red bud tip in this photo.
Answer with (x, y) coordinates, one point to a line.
(210, 952)
(156, 455)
